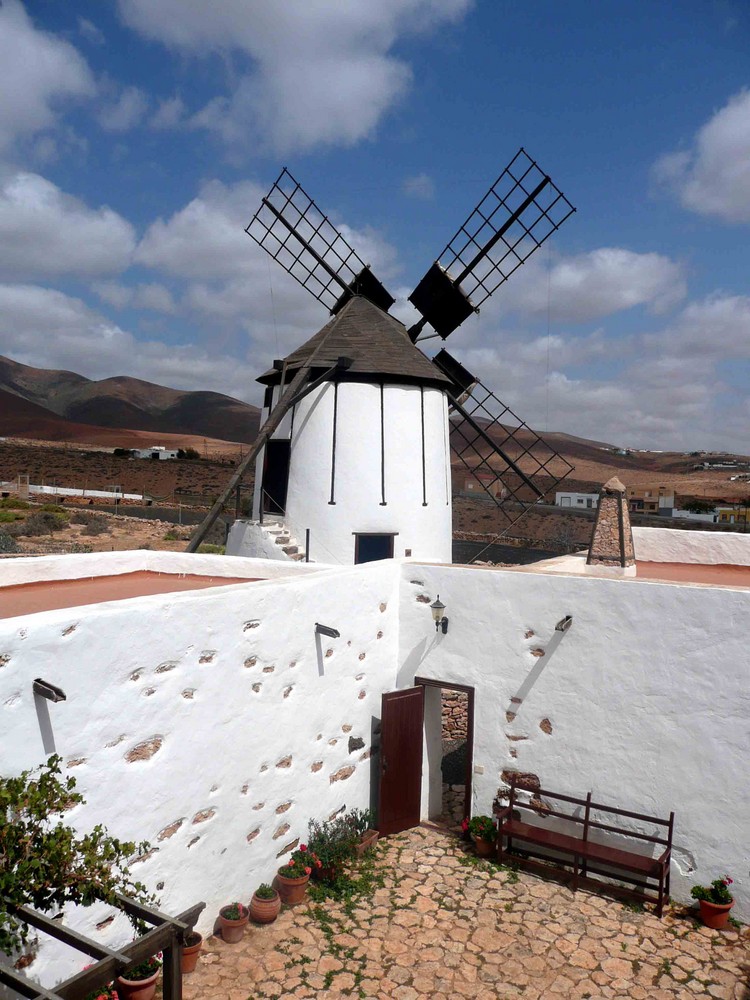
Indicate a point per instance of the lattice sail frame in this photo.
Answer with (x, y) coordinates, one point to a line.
(291, 228)
(497, 447)
(522, 181)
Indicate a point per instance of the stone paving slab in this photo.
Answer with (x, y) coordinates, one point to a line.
(445, 925)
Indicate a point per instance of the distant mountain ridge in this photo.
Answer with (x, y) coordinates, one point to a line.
(62, 397)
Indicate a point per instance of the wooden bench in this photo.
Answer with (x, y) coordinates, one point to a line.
(587, 857)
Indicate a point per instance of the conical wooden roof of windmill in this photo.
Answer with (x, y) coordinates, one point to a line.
(377, 344)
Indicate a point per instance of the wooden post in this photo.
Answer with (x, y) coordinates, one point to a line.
(172, 971)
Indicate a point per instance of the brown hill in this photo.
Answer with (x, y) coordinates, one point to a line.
(121, 402)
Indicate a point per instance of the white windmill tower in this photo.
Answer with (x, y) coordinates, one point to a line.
(353, 457)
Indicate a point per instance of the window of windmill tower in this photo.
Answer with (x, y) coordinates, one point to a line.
(368, 547)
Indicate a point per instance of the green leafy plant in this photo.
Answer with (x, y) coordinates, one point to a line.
(143, 970)
(209, 549)
(333, 842)
(44, 863)
(265, 891)
(718, 892)
(360, 820)
(480, 827)
(300, 863)
(233, 911)
(105, 993)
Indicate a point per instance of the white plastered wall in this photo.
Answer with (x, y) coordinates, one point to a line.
(646, 697)
(357, 489)
(214, 724)
(730, 548)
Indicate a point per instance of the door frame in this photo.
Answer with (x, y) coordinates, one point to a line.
(469, 692)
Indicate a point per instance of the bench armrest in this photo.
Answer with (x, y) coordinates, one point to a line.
(666, 857)
(502, 814)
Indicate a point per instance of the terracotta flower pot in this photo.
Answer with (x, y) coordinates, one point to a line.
(326, 873)
(368, 839)
(292, 890)
(485, 848)
(265, 911)
(715, 915)
(136, 989)
(233, 930)
(190, 953)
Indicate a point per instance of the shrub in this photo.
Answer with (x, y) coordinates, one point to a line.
(55, 508)
(7, 543)
(95, 526)
(208, 549)
(333, 841)
(171, 536)
(41, 522)
(11, 503)
(44, 863)
(9, 516)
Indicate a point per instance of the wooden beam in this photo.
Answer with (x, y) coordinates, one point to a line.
(65, 934)
(24, 986)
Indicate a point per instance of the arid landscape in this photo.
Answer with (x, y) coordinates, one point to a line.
(61, 429)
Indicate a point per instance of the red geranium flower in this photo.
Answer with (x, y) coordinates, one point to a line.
(465, 824)
(308, 871)
(303, 847)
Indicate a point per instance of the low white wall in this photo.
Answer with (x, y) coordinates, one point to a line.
(213, 724)
(722, 548)
(646, 697)
(249, 539)
(82, 566)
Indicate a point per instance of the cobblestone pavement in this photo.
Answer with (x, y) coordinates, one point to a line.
(444, 926)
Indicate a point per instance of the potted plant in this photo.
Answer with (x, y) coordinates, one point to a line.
(139, 981)
(483, 832)
(105, 993)
(293, 876)
(190, 951)
(233, 920)
(265, 904)
(363, 822)
(333, 843)
(715, 902)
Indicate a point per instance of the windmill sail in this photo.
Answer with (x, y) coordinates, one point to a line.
(519, 212)
(513, 465)
(293, 230)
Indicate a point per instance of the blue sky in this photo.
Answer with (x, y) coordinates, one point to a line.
(137, 137)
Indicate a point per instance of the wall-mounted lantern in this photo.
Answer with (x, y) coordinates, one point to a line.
(564, 624)
(441, 622)
(333, 633)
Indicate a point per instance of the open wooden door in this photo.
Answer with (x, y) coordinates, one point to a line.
(402, 722)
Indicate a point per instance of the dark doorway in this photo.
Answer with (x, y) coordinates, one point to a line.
(276, 475)
(400, 798)
(449, 738)
(368, 548)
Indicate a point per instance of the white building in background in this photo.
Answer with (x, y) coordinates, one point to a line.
(581, 501)
(157, 452)
(359, 468)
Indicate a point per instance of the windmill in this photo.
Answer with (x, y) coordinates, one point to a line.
(363, 344)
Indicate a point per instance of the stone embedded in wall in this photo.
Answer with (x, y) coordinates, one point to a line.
(257, 687)
(283, 807)
(329, 652)
(285, 761)
(423, 599)
(136, 675)
(207, 656)
(359, 677)
(529, 634)
(251, 661)
(70, 629)
(417, 583)
(105, 923)
(4, 659)
(333, 742)
(268, 670)
(193, 841)
(188, 693)
(316, 765)
(383, 606)
(251, 836)
(147, 692)
(145, 856)
(75, 762)
(346, 728)
(513, 752)
(546, 726)
(281, 830)
(343, 773)
(288, 847)
(144, 750)
(362, 656)
(366, 755)
(337, 812)
(355, 743)
(244, 790)
(362, 695)
(251, 624)
(171, 830)
(113, 743)
(258, 805)
(204, 815)
(288, 690)
(263, 767)
(515, 739)
(537, 652)
(165, 667)
(379, 635)
(524, 779)
(515, 700)
(510, 716)
(292, 664)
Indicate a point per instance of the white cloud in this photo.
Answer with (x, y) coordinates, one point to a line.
(45, 232)
(90, 32)
(421, 186)
(153, 296)
(126, 112)
(44, 327)
(712, 177)
(38, 71)
(592, 285)
(313, 72)
(169, 114)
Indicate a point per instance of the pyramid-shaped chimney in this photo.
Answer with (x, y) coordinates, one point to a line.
(612, 540)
